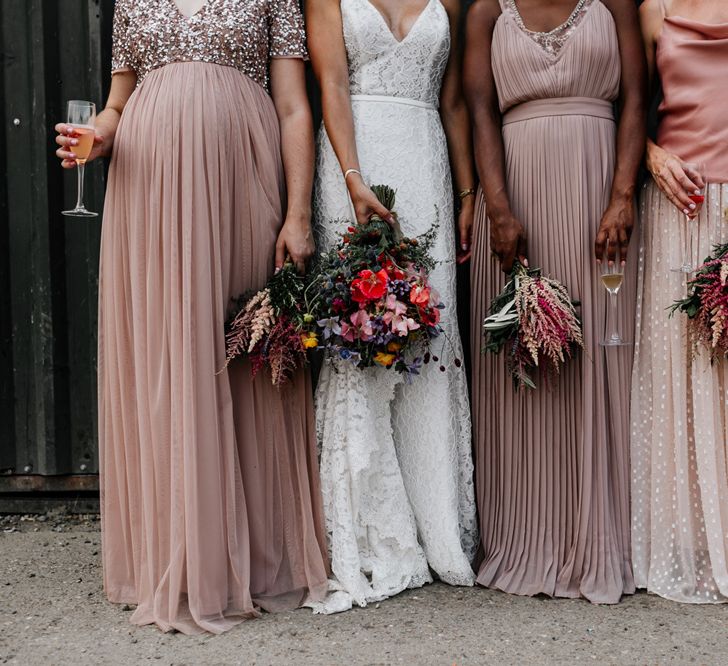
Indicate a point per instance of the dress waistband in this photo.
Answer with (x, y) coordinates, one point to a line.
(560, 106)
(390, 99)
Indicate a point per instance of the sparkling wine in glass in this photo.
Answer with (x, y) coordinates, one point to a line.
(82, 118)
(612, 276)
(696, 172)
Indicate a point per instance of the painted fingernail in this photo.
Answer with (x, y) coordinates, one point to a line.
(685, 210)
(692, 206)
(696, 192)
(73, 155)
(278, 269)
(74, 142)
(464, 246)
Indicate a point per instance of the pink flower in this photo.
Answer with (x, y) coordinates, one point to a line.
(395, 306)
(363, 324)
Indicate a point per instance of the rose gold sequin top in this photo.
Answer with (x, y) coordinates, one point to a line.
(244, 34)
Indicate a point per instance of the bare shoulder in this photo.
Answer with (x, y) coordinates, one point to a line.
(621, 7)
(484, 12)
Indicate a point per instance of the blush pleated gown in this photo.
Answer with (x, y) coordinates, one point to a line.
(211, 506)
(552, 464)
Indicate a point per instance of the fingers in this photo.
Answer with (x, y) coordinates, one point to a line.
(463, 257)
(384, 213)
(600, 245)
(507, 257)
(669, 180)
(613, 244)
(623, 240)
(280, 254)
(521, 250)
(690, 179)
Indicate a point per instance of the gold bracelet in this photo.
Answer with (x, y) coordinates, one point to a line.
(466, 193)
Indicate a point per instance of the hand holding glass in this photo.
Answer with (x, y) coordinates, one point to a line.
(612, 276)
(82, 118)
(695, 171)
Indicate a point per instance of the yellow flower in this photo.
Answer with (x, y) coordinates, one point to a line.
(309, 340)
(394, 347)
(382, 358)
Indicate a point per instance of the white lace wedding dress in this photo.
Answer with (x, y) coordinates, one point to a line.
(396, 460)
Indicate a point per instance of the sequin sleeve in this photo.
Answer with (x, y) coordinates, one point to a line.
(121, 53)
(287, 32)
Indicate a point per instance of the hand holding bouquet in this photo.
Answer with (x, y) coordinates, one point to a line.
(372, 298)
(368, 301)
(535, 320)
(706, 304)
(271, 328)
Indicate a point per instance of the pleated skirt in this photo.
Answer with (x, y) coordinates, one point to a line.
(679, 417)
(552, 464)
(210, 496)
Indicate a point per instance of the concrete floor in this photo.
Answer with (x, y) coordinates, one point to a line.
(53, 611)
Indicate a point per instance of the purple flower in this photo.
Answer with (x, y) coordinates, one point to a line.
(329, 327)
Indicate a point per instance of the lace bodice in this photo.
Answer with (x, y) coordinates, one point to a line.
(244, 34)
(379, 64)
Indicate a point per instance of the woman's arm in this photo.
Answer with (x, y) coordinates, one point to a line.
(122, 86)
(288, 89)
(618, 219)
(666, 168)
(507, 235)
(456, 122)
(328, 57)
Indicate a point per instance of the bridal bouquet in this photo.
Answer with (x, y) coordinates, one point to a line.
(271, 327)
(706, 304)
(535, 320)
(372, 299)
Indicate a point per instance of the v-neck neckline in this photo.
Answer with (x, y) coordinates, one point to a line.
(577, 7)
(191, 16)
(530, 35)
(386, 25)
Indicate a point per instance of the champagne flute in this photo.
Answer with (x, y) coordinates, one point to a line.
(82, 118)
(612, 276)
(696, 172)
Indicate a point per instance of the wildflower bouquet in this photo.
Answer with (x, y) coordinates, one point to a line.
(371, 296)
(535, 320)
(271, 328)
(706, 304)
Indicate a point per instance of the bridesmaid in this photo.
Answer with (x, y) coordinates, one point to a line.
(680, 400)
(210, 496)
(552, 466)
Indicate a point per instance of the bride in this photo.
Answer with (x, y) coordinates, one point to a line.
(396, 460)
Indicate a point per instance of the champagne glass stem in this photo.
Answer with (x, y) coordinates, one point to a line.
(80, 166)
(614, 335)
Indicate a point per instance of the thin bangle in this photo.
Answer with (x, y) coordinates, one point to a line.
(348, 173)
(466, 193)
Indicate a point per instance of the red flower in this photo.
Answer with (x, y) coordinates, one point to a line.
(392, 270)
(430, 316)
(420, 295)
(369, 286)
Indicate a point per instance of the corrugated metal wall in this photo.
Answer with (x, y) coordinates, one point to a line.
(51, 51)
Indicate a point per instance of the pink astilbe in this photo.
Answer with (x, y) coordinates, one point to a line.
(708, 324)
(535, 320)
(706, 304)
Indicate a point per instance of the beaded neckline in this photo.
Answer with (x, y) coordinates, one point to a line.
(552, 41)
